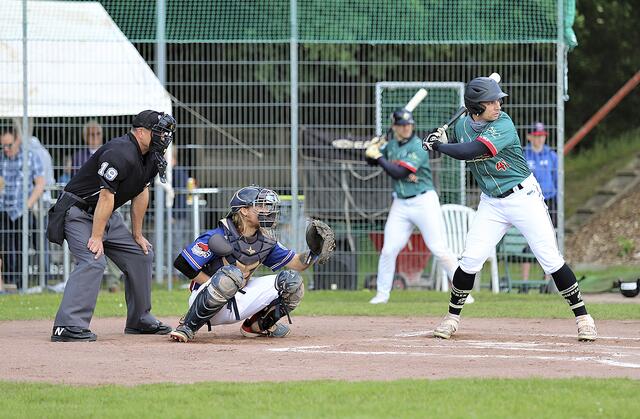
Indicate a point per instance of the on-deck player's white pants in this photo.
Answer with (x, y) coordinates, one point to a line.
(525, 210)
(259, 293)
(422, 211)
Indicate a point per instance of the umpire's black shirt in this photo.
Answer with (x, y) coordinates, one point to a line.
(119, 166)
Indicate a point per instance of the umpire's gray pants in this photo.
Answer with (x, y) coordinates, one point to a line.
(81, 291)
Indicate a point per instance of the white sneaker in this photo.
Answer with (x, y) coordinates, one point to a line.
(379, 299)
(586, 328)
(470, 299)
(447, 326)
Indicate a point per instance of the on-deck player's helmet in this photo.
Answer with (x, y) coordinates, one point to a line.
(401, 116)
(481, 89)
(266, 199)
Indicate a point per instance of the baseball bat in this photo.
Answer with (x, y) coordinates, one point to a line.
(416, 99)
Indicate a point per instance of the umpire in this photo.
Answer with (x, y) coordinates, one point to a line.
(84, 215)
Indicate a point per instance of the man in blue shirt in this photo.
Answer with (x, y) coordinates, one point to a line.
(543, 163)
(12, 159)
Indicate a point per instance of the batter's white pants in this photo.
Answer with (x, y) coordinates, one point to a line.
(525, 210)
(422, 211)
(259, 293)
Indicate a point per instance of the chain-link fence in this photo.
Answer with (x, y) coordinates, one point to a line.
(260, 100)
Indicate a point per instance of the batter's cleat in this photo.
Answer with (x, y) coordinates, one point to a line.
(72, 334)
(278, 330)
(154, 329)
(182, 334)
(379, 299)
(447, 326)
(586, 328)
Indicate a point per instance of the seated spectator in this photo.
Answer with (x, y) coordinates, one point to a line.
(92, 136)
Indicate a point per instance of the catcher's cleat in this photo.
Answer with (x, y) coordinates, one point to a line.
(182, 334)
(379, 299)
(447, 326)
(586, 328)
(278, 330)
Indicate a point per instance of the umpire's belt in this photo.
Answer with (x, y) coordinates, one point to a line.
(510, 191)
(80, 203)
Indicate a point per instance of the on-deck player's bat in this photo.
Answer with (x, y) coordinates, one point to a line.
(416, 99)
(410, 106)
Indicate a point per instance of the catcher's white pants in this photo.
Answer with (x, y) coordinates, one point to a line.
(525, 210)
(424, 212)
(259, 293)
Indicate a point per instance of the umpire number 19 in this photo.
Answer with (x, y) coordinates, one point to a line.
(110, 173)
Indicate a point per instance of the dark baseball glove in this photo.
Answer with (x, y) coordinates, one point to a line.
(321, 240)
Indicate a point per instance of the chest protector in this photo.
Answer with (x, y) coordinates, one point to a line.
(248, 252)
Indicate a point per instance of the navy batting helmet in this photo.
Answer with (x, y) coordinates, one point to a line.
(257, 196)
(401, 116)
(481, 89)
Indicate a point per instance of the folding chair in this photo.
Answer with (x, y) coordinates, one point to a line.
(457, 220)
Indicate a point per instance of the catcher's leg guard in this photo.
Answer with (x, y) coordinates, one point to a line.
(265, 322)
(224, 284)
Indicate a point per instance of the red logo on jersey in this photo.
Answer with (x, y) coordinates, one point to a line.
(201, 249)
(502, 165)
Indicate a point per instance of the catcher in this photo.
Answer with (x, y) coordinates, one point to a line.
(220, 263)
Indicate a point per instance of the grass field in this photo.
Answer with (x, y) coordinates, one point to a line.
(450, 398)
(467, 398)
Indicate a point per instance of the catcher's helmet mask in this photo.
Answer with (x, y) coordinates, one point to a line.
(266, 202)
(162, 127)
(481, 89)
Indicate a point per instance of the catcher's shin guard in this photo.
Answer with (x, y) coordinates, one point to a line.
(224, 284)
(291, 290)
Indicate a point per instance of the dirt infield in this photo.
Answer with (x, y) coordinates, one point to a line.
(339, 348)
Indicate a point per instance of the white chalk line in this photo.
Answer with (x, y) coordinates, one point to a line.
(322, 350)
(520, 346)
(430, 333)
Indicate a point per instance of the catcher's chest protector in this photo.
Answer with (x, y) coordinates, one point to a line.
(248, 255)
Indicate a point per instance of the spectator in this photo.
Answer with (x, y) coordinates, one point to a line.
(92, 136)
(11, 202)
(543, 163)
(49, 180)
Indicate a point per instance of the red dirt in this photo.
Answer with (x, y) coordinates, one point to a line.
(337, 348)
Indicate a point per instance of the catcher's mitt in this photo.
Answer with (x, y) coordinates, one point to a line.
(321, 240)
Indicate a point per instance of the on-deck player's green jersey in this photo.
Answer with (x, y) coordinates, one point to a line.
(413, 157)
(505, 166)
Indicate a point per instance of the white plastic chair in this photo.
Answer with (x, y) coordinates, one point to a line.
(457, 220)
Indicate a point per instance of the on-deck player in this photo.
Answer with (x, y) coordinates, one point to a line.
(415, 201)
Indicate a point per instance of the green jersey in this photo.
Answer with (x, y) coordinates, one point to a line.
(504, 166)
(411, 156)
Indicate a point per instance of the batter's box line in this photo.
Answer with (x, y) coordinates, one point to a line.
(515, 346)
(587, 359)
(430, 332)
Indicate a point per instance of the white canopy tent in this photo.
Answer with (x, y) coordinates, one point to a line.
(79, 63)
